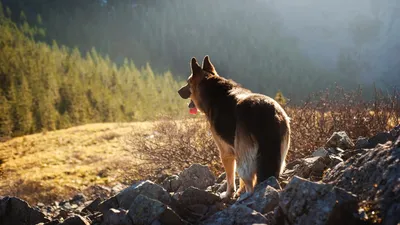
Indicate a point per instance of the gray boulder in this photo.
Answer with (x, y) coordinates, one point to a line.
(306, 202)
(341, 140)
(321, 152)
(311, 168)
(196, 175)
(264, 199)
(14, 211)
(145, 210)
(125, 198)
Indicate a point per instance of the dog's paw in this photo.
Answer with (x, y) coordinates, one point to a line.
(240, 191)
(225, 195)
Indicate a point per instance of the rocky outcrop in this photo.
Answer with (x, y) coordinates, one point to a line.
(340, 183)
(14, 211)
(375, 178)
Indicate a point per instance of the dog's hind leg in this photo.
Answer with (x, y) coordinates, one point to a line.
(246, 149)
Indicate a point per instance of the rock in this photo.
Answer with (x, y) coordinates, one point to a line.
(79, 198)
(362, 142)
(117, 188)
(116, 217)
(334, 160)
(340, 140)
(93, 206)
(194, 195)
(321, 152)
(172, 183)
(380, 138)
(196, 175)
(264, 199)
(76, 220)
(125, 198)
(222, 187)
(214, 188)
(221, 178)
(14, 211)
(306, 202)
(198, 209)
(336, 151)
(356, 152)
(236, 214)
(311, 167)
(145, 210)
(194, 204)
(374, 177)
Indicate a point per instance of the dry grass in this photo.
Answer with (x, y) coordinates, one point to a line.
(54, 165)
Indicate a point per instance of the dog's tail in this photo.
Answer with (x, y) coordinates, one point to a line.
(272, 153)
(285, 144)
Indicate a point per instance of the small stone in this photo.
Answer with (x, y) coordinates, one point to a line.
(93, 206)
(172, 183)
(79, 198)
(116, 217)
(361, 142)
(221, 178)
(341, 140)
(321, 152)
(76, 220)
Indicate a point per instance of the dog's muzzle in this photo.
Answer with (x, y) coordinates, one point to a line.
(184, 92)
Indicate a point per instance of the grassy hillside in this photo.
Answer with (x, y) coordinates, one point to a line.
(52, 165)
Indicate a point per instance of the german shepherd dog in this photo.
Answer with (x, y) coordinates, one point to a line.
(251, 130)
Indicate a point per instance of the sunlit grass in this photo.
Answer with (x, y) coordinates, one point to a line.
(66, 161)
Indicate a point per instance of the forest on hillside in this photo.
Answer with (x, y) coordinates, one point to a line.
(47, 87)
(250, 43)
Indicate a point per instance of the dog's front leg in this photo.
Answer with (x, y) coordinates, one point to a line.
(229, 162)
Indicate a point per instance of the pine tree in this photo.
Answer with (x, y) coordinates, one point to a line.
(6, 125)
(280, 98)
(23, 120)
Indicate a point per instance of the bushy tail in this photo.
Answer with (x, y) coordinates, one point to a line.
(271, 156)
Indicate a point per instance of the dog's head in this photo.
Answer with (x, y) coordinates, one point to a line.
(191, 89)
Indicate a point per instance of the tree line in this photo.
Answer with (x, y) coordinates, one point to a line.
(48, 87)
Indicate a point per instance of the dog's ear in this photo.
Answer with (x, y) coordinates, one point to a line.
(195, 66)
(207, 65)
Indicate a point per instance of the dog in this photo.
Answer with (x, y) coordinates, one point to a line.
(251, 130)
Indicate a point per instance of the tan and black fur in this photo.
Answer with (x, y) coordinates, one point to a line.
(251, 130)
